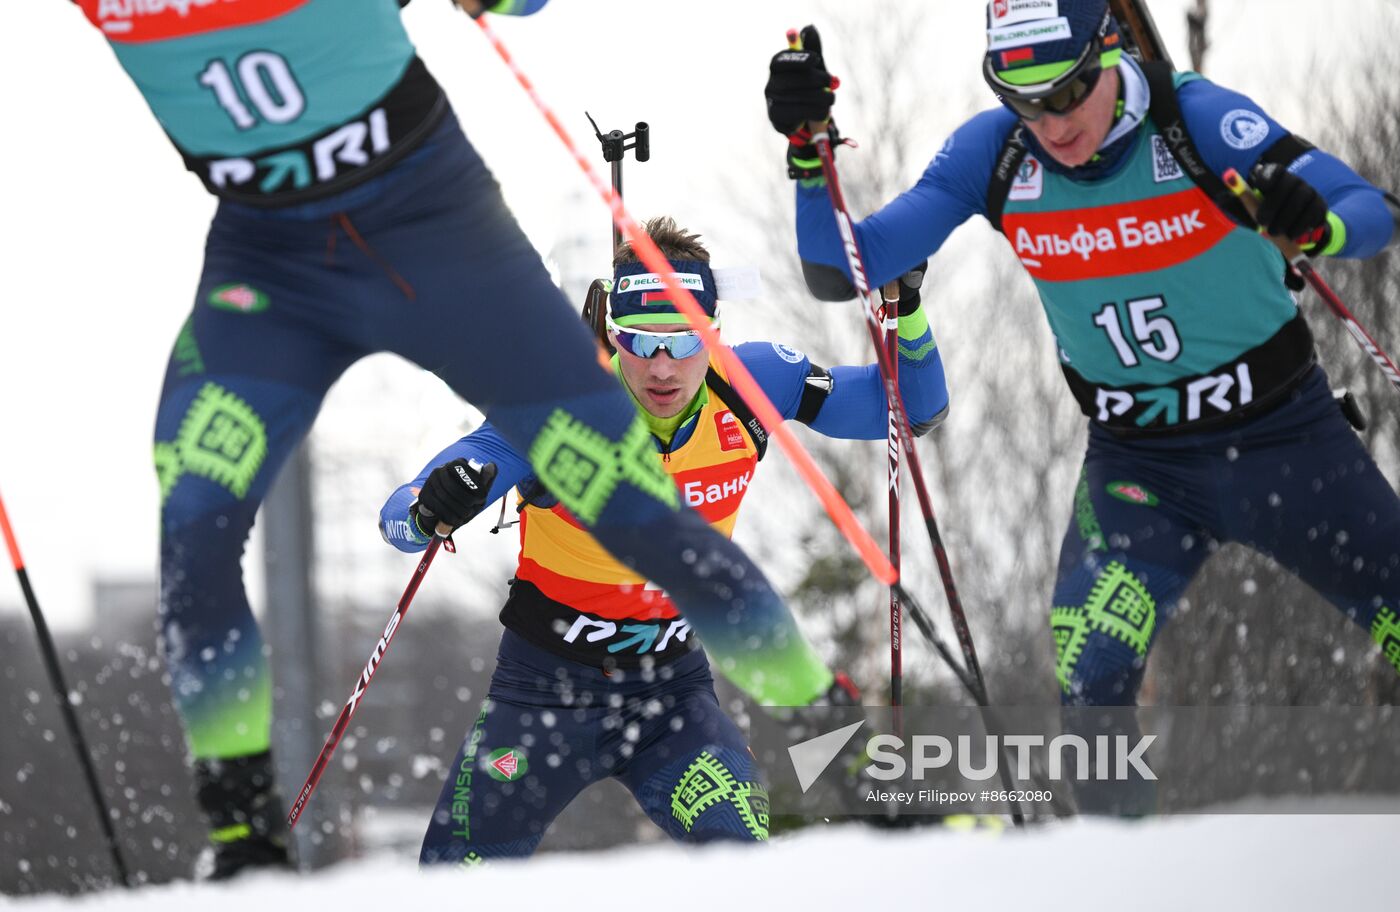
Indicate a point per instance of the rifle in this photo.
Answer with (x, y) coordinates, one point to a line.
(1140, 33)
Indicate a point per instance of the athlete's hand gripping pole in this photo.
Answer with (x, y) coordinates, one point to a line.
(361, 685)
(1299, 261)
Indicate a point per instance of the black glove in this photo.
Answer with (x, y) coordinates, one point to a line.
(799, 88)
(1291, 207)
(452, 495)
(909, 284)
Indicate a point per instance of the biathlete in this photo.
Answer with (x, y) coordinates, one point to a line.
(598, 674)
(1210, 419)
(354, 217)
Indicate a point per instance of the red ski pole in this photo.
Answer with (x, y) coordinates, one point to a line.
(899, 418)
(891, 314)
(1299, 261)
(375, 657)
(822, 139)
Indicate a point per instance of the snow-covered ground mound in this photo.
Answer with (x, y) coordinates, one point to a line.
(1236, 862)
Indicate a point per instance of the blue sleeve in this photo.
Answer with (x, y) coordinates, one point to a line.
(781, 373)
(1233, 132)
(855, 408)
(485, 444)
(915, 224)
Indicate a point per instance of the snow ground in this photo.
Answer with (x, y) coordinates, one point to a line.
(1222, 862)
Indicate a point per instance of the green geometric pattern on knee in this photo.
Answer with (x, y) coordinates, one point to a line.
(167, 460)
(1121, 607)
(1118, 605)
(1070, 632)
(708, 782)
(582, 467)
(1385, 630)
(1085, 516)
(221, 439)
(187, 355)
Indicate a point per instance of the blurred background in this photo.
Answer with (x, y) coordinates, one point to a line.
(104, 242)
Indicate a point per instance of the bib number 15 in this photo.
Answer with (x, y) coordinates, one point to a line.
(1154, 333)
(266, 81)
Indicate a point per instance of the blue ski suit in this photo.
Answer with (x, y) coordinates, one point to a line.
(1210, 419)
(354, 217)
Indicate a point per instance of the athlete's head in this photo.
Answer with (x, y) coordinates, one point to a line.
(662, 360)
(1054, 62)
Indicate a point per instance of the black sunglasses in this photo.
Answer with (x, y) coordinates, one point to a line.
(1059, 96)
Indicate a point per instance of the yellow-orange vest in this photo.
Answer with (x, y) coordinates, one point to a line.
(557, 555)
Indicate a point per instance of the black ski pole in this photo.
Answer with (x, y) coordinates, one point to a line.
(60, 687)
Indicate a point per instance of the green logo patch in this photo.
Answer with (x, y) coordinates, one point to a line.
(1085, 515)
(583, 467)
(222, 439)
(1119, 605)
(1385, 630)
(507, 764)
(1133, 493)
(708, 782)
(187, 355)
(239, 298)
(168, 468)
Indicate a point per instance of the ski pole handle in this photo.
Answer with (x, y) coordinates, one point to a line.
(1249, 198)
(1299, 261)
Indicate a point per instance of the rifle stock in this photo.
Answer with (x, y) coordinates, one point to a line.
(1139, 30)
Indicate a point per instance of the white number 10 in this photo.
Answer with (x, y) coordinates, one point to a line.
(268, 83)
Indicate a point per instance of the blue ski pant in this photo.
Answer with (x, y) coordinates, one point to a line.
(550, 727)
(427, 262)
(1295, 484)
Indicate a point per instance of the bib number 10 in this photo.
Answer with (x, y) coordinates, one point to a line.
(1154, 333)
(266, 81)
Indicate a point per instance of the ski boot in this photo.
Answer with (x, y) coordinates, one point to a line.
(246, 827)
